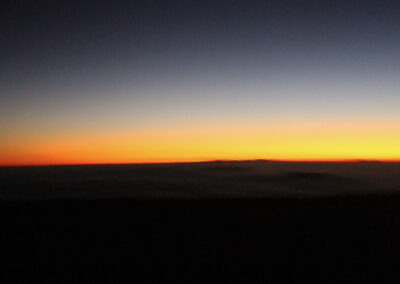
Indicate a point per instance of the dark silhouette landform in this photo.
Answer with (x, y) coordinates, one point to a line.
(266, 221)
(218, 179)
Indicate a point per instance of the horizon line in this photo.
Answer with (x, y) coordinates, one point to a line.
(211, 161)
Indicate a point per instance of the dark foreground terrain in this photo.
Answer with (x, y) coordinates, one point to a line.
(55, 233)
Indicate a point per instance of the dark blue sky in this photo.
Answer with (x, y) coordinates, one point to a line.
(86, 41)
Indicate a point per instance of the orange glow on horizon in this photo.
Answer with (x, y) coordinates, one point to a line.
(300, 142)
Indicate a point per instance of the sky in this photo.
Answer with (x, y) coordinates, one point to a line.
(170, 81)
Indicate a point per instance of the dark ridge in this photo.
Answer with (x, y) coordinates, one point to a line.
(221, 168)
(310, 176)
(291, 176)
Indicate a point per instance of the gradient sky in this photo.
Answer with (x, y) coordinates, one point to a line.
(163, 81)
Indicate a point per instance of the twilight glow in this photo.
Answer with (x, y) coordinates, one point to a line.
(161, 82)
